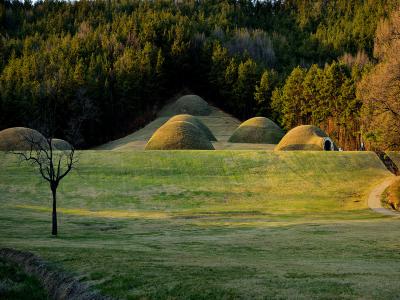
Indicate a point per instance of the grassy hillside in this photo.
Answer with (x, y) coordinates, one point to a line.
(211, 224)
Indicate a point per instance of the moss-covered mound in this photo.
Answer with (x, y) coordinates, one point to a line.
(179, 135)
(59, 144)
(15, 139)
(258, 130)
(188, 104)
(306, 137)
(196, 122)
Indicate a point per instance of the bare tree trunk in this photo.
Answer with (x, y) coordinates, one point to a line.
(54, 214)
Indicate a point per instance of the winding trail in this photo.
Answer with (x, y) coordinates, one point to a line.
(374, 198)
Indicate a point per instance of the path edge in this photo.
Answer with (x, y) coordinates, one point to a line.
(374, 198)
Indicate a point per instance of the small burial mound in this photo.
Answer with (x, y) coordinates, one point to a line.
(196, 122)
(188, 104)
(16, 138)
(59, 144)
(258, 130)
(179, 135)
(306, 137)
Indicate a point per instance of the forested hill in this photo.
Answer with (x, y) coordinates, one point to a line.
(96, 70)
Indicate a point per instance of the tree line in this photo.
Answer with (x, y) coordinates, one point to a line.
(97, 70)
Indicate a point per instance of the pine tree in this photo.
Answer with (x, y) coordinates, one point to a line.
(263, 93)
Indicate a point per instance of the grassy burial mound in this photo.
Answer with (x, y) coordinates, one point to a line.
(188, 104)
(179, 135)
(59, 144)
(306, 137)
(258, 130)
(15, 138)
(196, 122)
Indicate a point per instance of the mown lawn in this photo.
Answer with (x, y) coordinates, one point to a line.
(211, 224)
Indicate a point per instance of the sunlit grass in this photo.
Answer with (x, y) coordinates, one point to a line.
(211, 224)
(101, 213)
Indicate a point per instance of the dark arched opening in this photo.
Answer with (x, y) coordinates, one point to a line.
(327, 145)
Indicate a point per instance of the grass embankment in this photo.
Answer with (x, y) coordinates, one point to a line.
(211, 224)
(391, 196)
(395, 157)
(16, 284)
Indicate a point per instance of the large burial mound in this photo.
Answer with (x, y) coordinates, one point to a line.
(17, 138)
(179, 135)
(59, 144)
(258, 130)
(196, 122)
(188, 104)
(306, 137)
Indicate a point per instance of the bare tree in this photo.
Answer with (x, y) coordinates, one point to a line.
(53, 165)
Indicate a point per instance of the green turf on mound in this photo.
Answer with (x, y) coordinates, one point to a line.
(179, 135)
(59, 144)
(196, 122)
(15, 138)
(188, 104)
(305, 137)
(258, 130)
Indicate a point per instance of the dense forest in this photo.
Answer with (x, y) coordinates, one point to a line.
(96, 70)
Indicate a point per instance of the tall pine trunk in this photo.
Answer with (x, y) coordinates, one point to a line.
(54, 214)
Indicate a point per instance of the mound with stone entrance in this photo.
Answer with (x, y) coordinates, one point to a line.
(306, 137)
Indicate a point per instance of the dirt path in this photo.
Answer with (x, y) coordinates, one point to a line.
(374, 199)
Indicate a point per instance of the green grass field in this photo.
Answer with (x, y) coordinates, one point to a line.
(211, 224)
